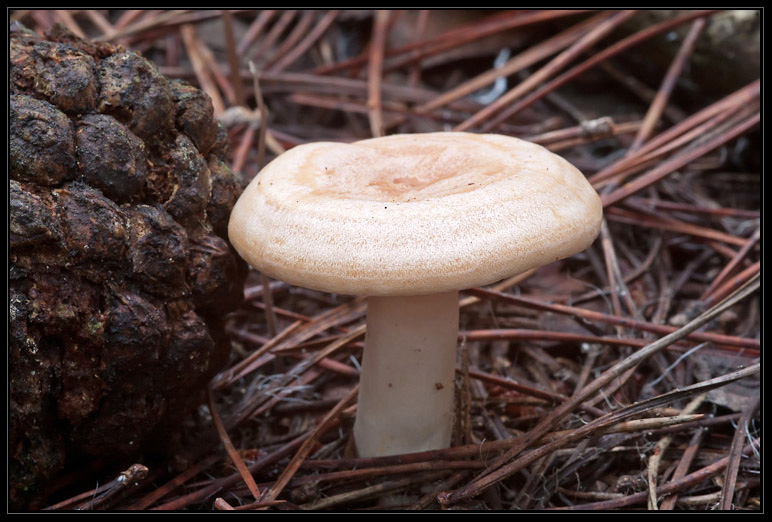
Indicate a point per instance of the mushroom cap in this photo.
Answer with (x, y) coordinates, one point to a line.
(413, 214)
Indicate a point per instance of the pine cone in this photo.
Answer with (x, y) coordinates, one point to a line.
(121, 273)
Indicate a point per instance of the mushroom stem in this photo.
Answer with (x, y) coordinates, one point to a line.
(406, 384)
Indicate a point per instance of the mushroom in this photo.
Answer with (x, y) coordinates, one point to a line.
(408, 221)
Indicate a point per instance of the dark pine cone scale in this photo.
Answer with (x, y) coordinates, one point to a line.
(121, 273)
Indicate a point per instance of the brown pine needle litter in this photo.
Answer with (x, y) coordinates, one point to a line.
(626, 377)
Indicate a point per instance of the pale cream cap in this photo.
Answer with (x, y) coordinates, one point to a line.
(413, 214)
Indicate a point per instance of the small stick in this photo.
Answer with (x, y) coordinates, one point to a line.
(298, 50)
(592, 315)
(380, 488)
(590, 495)
(652, 159)
(733, 283)
(291, 41)
(374, 71)
(509, 384)
(190, 39)
(153, 20)
(230, 449)
(486, 450)
(226, 482)
(264, 401)
(100, 495)
(465, 397)
(157, 494)
(611, 274)
(679, 161)
(717, 240)
(516, 64)
(734, 263)
(252, 506)
(263, 111)
(695, 209)
(456, 37)
(668, 503)
(616, 130)
(726, 106)
(43, 20)
(540, 76)
(273, 35)
(634, 426)
(613, 388)
(270, 315)
(665, 90)
(415, 71)
(659, 451)
(593, 351)
(218, 75)
(296, 333)
(615, 273)
(640, 90)
(735, 455)
(499, 287)
(307, 445)
(229, 376)
(537, 472)
(593, 129)
(240, 156)
(673, 225)
(65, 17)
(254, 30)
(127, 18)
(100, 21)
(268, 397)
(379, 471)
(233, 58)
(600, 57)
(639, 271)
(222, 505)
